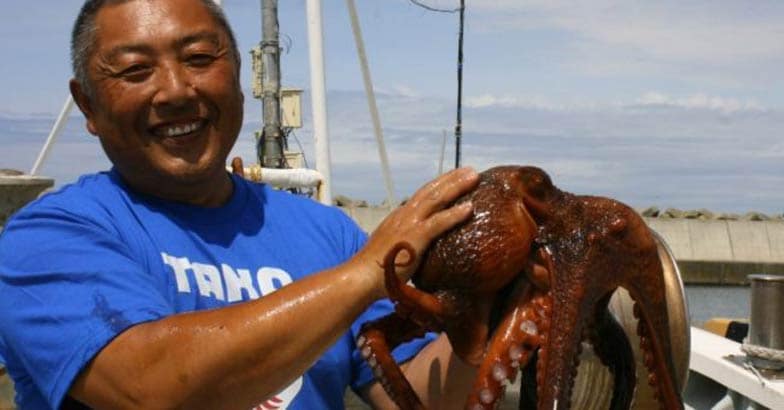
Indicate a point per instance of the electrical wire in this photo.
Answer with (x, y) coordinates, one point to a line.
(431, 8)
(299, 144)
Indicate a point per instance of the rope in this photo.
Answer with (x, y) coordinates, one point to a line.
(762, 352)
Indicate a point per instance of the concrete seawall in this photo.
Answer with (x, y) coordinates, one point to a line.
(708, 251)
(723, 251)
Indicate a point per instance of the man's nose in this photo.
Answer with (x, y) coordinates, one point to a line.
(174, 87)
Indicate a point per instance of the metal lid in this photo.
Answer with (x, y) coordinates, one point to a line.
(766, 277)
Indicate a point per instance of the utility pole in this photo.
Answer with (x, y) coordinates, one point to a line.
(270, 146)
(459, 125)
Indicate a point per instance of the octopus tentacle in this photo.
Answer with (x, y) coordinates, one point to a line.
(574, 252)
(612, 347)
(375, 343)
(599, 245)
(654, 343)
(647, 289)
(556, 367)
(512, 345)
(408, 299)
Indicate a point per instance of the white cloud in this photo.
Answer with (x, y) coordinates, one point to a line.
(717, 40)
(700, 101)
(406, 91)
(489, 100)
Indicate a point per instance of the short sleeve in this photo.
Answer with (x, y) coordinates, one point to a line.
(69, 285)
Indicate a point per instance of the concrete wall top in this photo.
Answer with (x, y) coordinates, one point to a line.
(722, 240)
(689, 239)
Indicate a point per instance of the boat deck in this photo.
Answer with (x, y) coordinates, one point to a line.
(720, 359)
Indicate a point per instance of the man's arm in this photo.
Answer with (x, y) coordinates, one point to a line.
(235, 357)
(438, 376)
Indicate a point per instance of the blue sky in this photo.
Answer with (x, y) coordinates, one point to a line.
(668, 104)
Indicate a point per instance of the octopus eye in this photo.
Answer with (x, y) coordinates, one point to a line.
(536, 186)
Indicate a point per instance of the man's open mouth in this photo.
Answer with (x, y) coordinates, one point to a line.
(180, 129)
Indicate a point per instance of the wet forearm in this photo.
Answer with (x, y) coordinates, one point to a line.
(231, 357)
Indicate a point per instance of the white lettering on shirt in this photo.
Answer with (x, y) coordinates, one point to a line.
(208, 279)
(226, 283)
(272, 279)
(236, 281)
(180, 266)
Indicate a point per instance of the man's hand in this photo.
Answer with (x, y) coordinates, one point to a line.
(423, 218)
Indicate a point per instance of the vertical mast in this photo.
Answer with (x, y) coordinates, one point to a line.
(270, 148)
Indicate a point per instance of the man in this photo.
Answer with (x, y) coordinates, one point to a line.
(150, 286)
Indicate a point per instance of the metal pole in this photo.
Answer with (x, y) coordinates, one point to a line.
(272, 136)
(371, 99)
(318, 98)
(459, 125)
(58, 126)
(443, 149)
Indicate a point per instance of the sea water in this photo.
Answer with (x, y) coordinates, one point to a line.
(706, 302)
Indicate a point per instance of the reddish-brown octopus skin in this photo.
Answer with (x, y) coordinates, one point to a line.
(564, 255)
(456, 283)
(596, 245)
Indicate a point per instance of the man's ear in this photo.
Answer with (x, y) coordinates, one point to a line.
(84, 103)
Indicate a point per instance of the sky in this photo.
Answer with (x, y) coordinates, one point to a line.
(669, 104)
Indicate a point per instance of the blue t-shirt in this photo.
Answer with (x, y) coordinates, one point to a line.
(79, 266)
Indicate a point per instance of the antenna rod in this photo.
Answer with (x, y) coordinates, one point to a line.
(459, 125)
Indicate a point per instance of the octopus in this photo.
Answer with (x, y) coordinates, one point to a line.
(527, 279)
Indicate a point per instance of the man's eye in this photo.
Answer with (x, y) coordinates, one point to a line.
(136, 72)
(200, 60)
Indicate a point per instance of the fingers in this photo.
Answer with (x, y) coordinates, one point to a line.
(442, 191)
(423, 218)
(446, 219)
(237, 167)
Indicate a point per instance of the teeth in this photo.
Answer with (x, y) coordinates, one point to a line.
(178, 130)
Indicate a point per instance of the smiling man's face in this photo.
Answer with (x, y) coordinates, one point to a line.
(166, 101)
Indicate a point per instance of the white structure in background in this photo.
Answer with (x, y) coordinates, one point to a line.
(371, 99)
(318, 97)
(58, 126)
